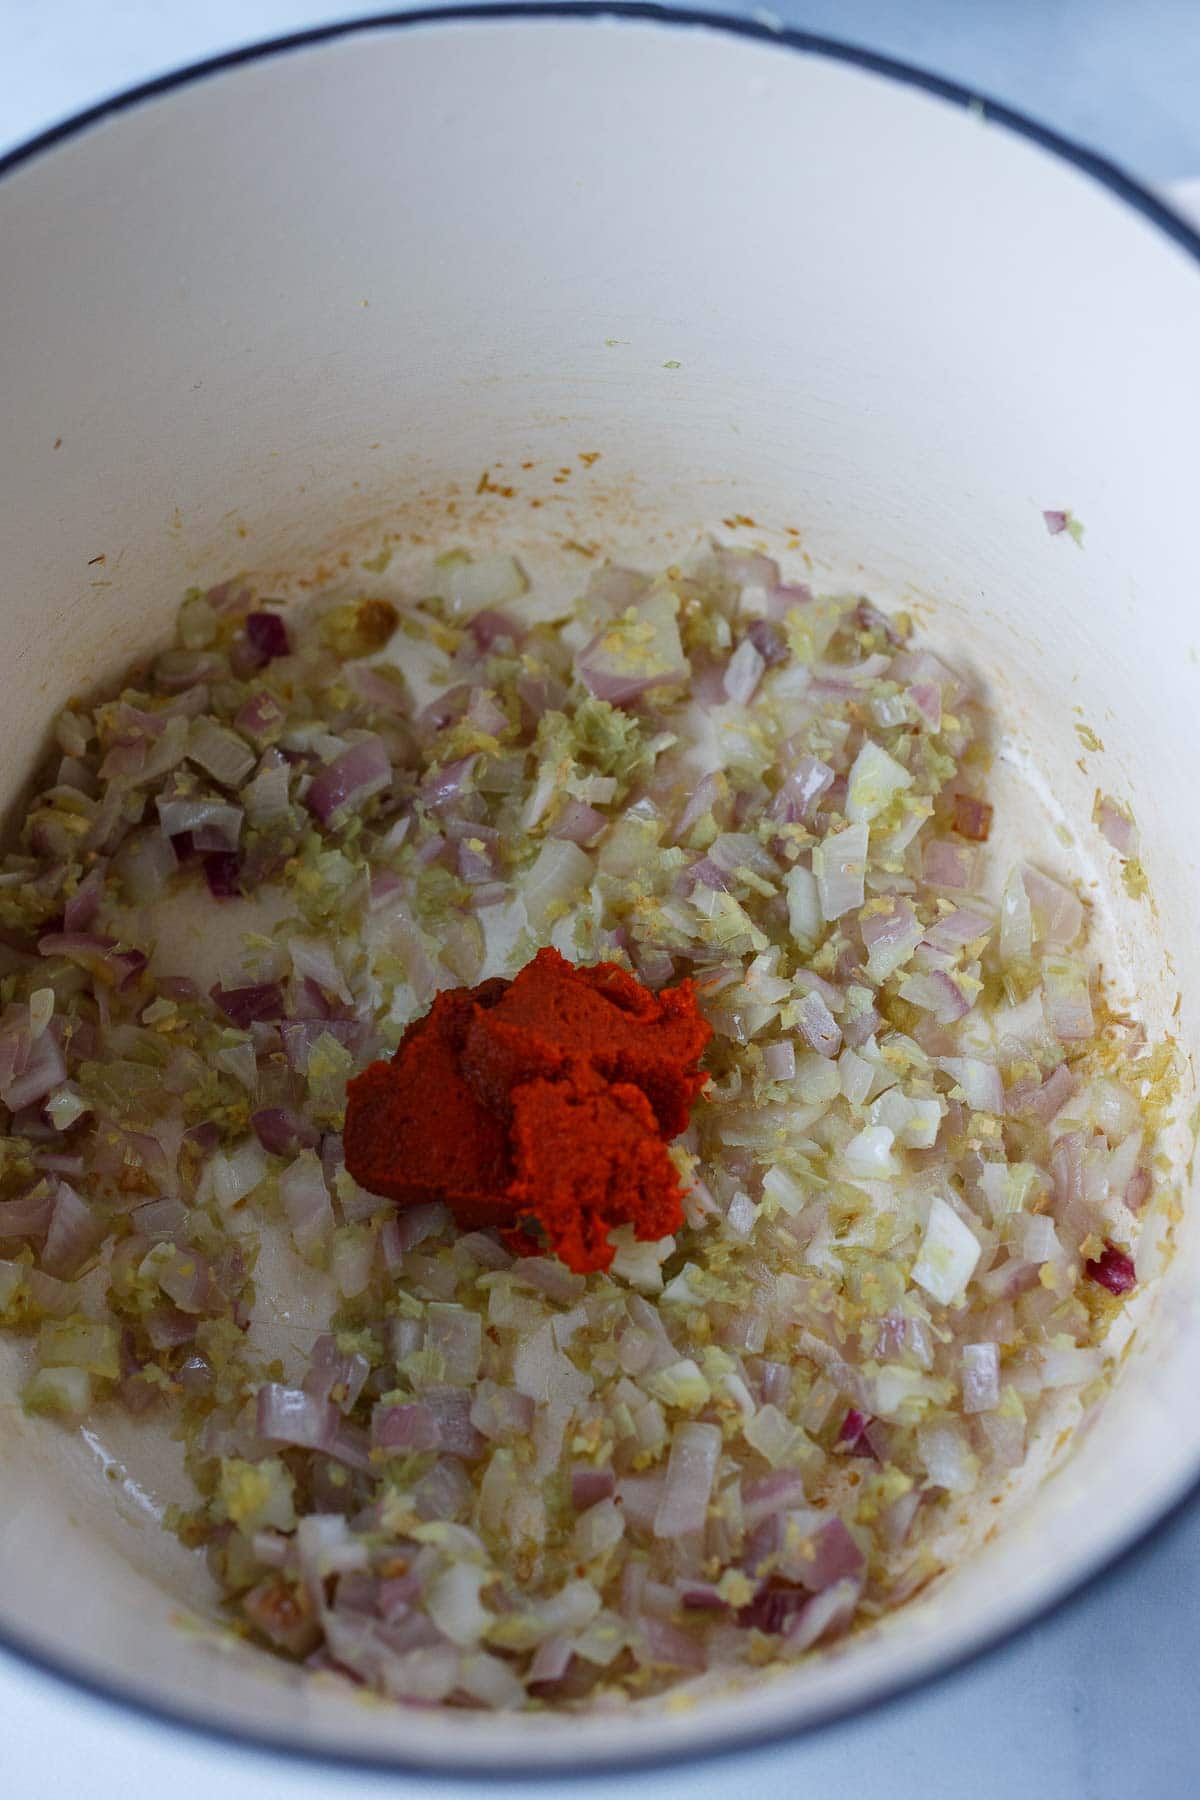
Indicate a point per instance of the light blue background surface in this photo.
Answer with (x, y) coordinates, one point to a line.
(1101, 1702)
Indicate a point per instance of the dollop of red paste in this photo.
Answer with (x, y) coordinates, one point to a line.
(551, 1098)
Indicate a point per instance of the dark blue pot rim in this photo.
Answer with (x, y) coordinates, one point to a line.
(1125, 188)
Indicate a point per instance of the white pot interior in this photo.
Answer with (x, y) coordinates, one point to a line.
(283, 310)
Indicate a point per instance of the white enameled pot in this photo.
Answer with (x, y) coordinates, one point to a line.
(655, 277)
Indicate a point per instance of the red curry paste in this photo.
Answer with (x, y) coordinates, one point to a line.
(550, 1098)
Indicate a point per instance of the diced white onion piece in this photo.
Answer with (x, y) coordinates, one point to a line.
(41, 1010)
(597, 1531)
(1111, 1108)
(681, 1289)
(639, 1495)
(62, 1393)
(640, 1264)
(948, 1458)
(1037, 1237)
(980, 1377)
(491, 1681)
(306, 1202)
(935, 991)
(804, 906)
(1116, 824)
(559, 874)
(868, 1156)
(1057, 912)
(240, 1061)
(217, 816)
(453, 1603)
(914, 811)
(65, 1105)
(1016, 920)
(856, 1075)
(635, 652)
(890, 709)
(691, 1470)
(729, 924)
(314, 958)
(826, 1615)
(980, 1082)
(593, 790)
(748, 570)
(542, 1371)
(891, 931)
(895, 1391)
(817, 1025)
(743, 672)
(266, 797)
(785, 1191)
(220, 752)
(535, 1363)
(741, 1216)
(229, 1178)
(1066, 1365)
(572, 1609)
(475, 584)
(874, 781)
(601, 1642)
(773, 1435)
(1122, 1163)
(915, 1121)
(1007, 1187)
(839, 865)
(949, 1253)
(321, 1541)
(1067, 1000)
(456, 1334)
(350, 1261)
(818, 1080)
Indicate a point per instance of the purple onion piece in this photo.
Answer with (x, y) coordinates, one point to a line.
(259, 716)
(42, 1067)
(579, 823)
(222, 872)
(283, 1132)
(75, 1231)
(490, 629)
(590, 1485)
(551, 1660)
(28, 1215)
(81, 909)
(244, 1006)
(442, 786)
(407, 1427)
(351, 779)
(767, 1495)
(770, 640)
(268, 636)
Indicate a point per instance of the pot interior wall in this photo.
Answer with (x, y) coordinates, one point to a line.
(560, 283)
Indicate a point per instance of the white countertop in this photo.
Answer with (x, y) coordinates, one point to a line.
(1095, 1703)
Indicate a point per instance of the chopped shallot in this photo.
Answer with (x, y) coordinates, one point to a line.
(439, 1463)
